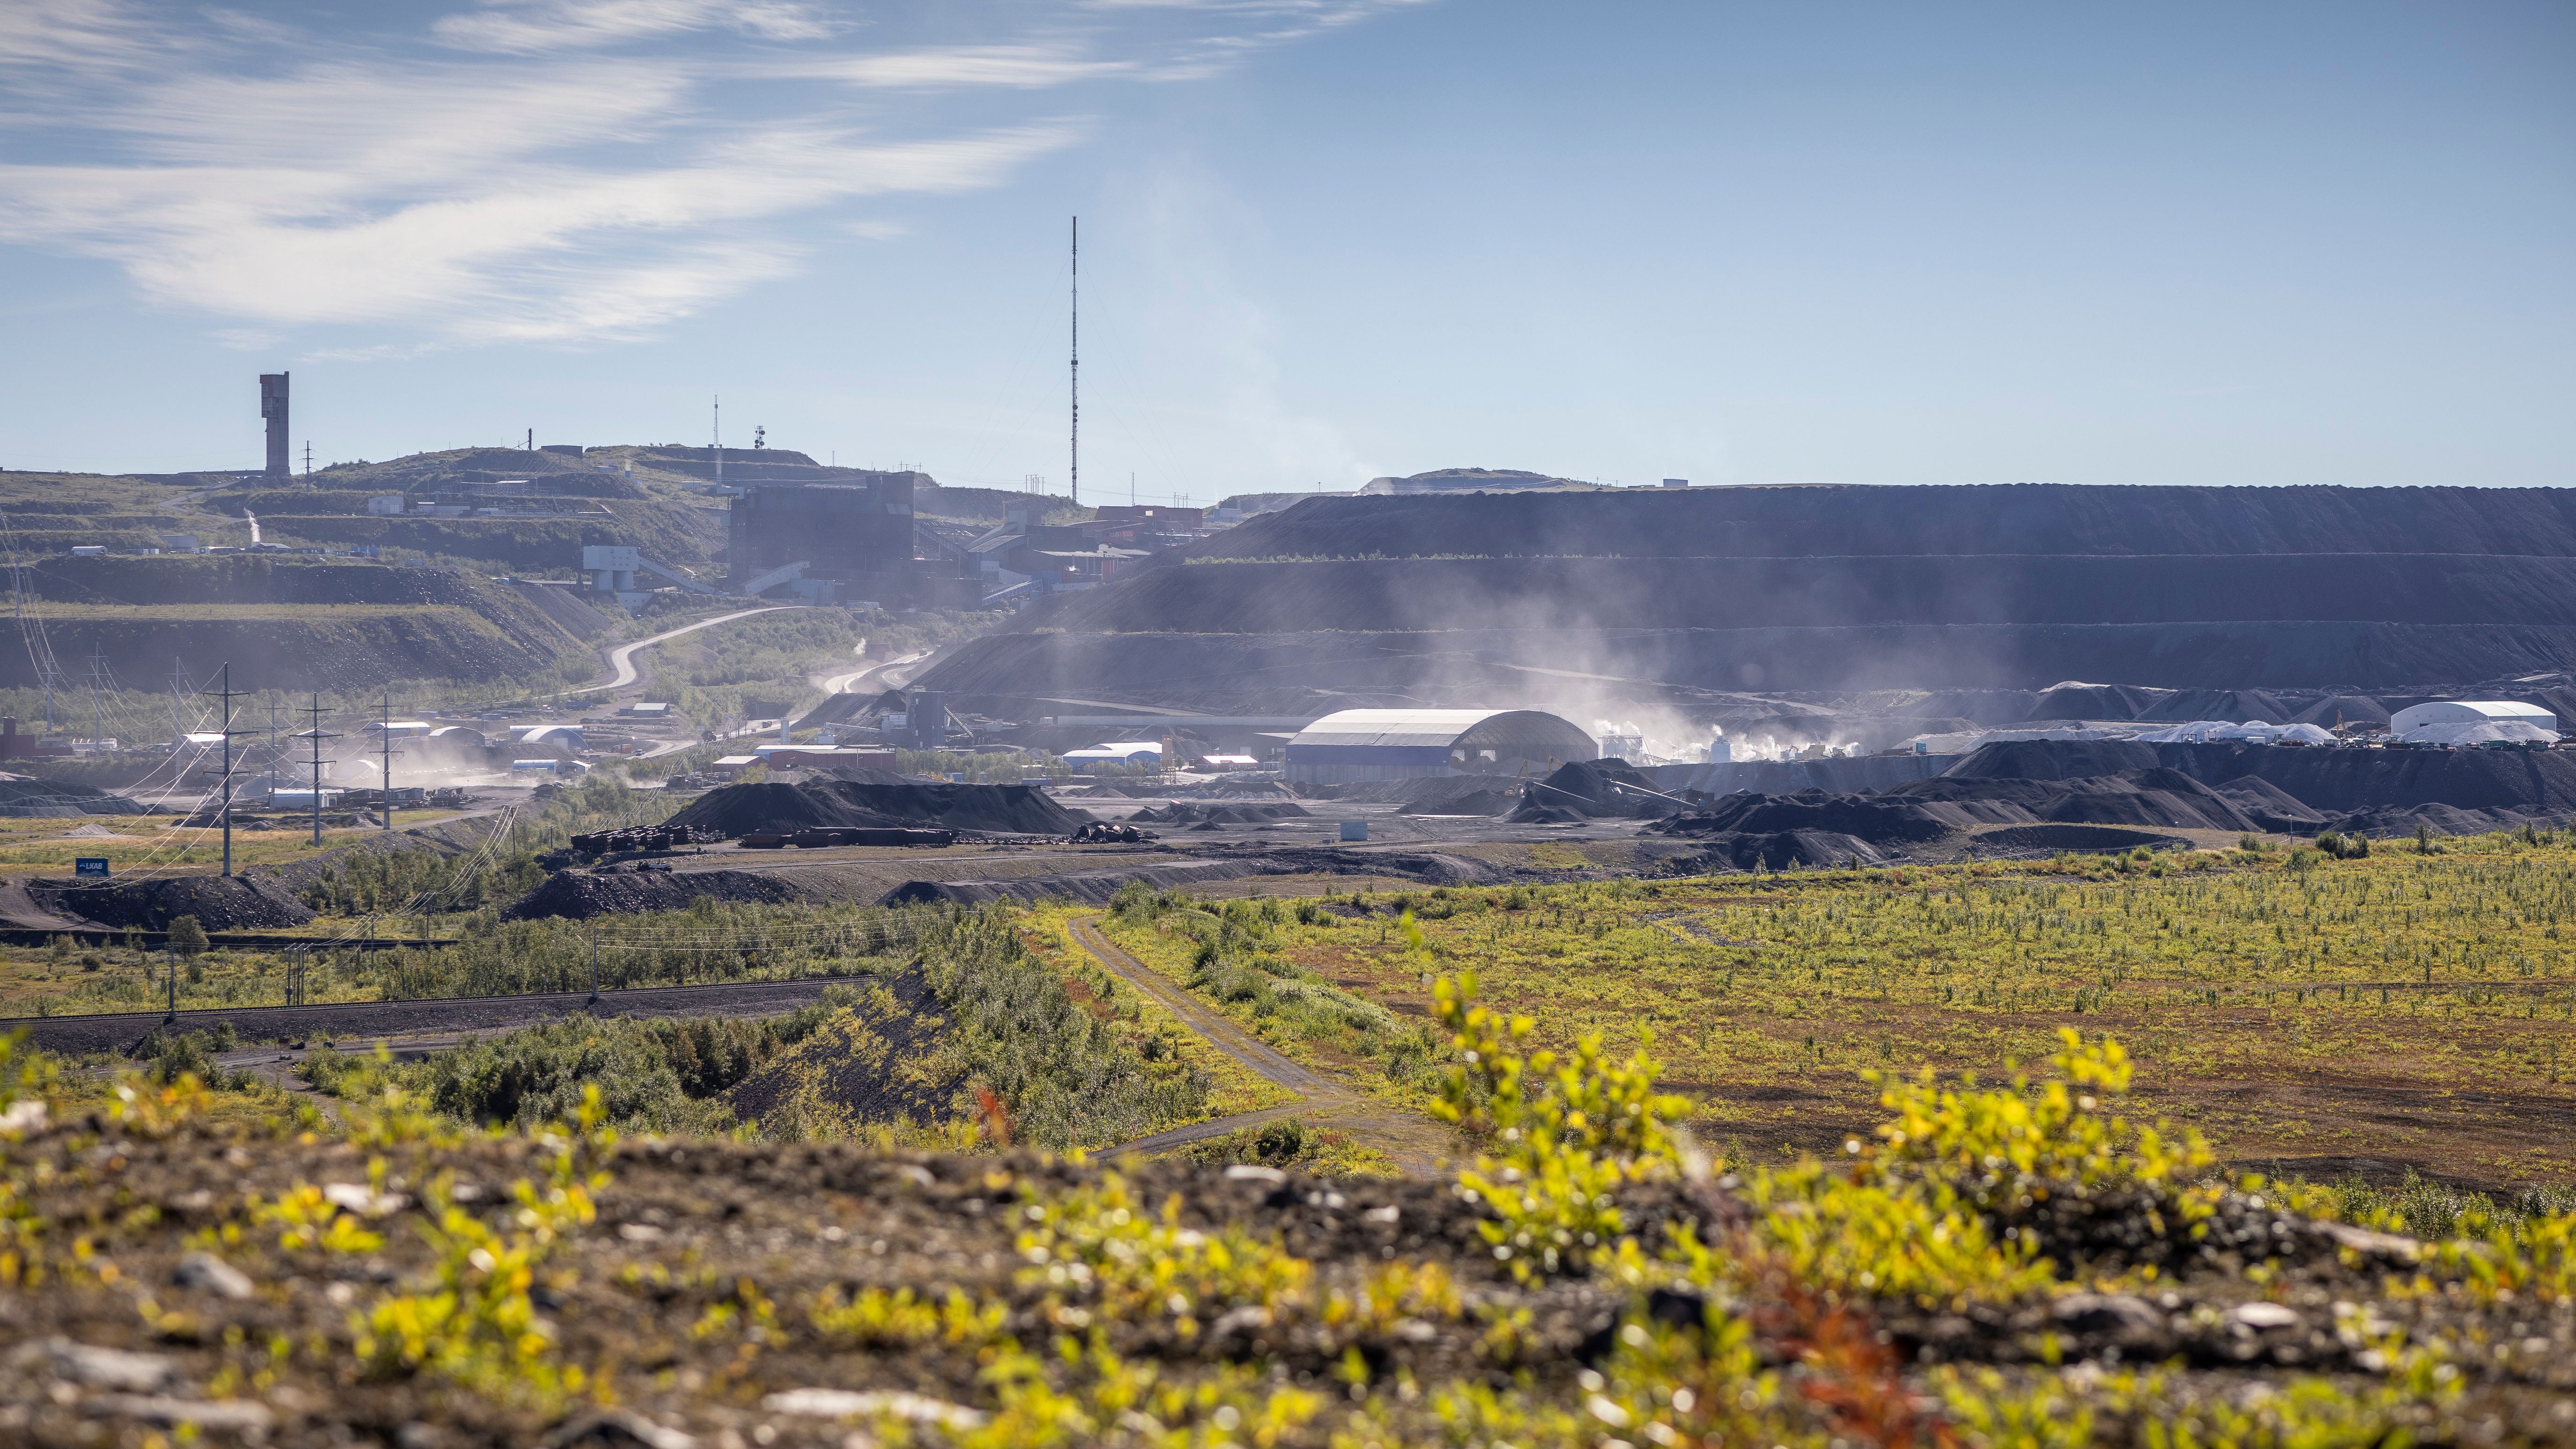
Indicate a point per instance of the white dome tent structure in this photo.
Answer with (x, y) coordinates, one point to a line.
(1355, 745)
(2473, 722)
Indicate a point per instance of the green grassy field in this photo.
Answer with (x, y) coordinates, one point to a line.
(2328, 1016)
(942, 1007)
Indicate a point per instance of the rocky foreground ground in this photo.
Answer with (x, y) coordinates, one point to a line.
(410, 1287)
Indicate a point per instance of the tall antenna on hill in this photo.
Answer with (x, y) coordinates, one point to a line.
(1077, 362)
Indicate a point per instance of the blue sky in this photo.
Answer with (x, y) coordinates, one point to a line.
(1323, 239)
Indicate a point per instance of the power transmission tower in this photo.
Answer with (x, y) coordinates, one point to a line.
(317, 735)
(229, 732)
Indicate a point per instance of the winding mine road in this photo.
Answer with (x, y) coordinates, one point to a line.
(622, 658)
(1416, 1146)
(849, 683)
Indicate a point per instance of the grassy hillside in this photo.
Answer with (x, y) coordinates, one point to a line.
(2331, 1015)
(50, 513)
(2009, 1231)
(2018, 1266)
(284, 622)
(298, 646)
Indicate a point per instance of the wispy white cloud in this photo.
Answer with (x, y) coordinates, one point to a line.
(77, 35)
(558, 171)
(550, 252)
(953, 67)
(529, 27)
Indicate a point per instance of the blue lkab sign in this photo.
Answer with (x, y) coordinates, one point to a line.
(90, 865)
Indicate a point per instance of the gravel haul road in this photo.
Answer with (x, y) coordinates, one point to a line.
(622, 658)
(1417, 1146)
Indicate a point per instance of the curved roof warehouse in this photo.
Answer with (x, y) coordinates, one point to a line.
(2474, 722)
(1395, 744)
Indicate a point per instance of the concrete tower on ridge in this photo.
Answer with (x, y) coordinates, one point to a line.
(272, 406)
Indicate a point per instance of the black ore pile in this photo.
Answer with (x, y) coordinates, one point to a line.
(1191, 812)
(254, 902)
(738, 810)
(23, 798)
(1929, 809)
(1594, 789)
(2303, 789)
(581, 894)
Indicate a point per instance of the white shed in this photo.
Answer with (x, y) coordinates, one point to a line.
(2473, 722)
(1116, 752)
(1396, 744)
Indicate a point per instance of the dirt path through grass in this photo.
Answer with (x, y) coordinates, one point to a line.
(1415, 1145)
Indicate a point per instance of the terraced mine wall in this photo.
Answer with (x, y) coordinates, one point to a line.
(1656, 594)
(1826, 520)
(297, 625)
(674, 532)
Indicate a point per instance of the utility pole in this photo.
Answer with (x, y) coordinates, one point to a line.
(317, 735)
(228, 766)
(386, 777)
(1077, 363)
(308, 460)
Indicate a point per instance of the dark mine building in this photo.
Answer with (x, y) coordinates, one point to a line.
(853, 540)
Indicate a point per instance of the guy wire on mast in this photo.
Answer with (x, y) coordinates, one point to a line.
(1077, 362)
(31, 626)
(97, 710)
